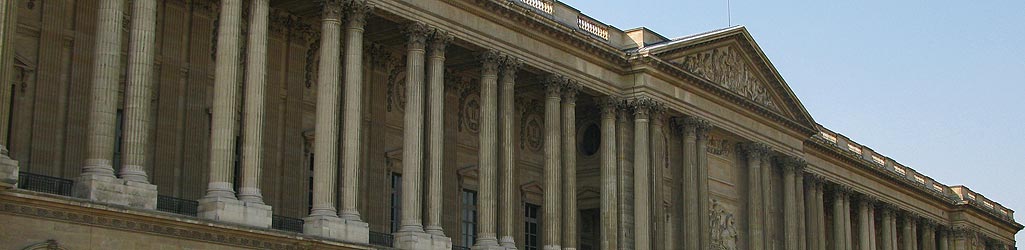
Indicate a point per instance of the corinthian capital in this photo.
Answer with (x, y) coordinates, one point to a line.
(755, 149)
(489, 61)
(438, 42)
(553, 85)
(416, 32)
(641, 106)
(511, 65)
(609, 105)
(570, 91)
(357, 11)
(332, 9)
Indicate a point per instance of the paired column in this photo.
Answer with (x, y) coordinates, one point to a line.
(412, 151)
(928, 235)
(488, 162)
(8, 23)
(436, 129)
(609, 107)
(840, 238)
(908, 232)
(355, 20)
(256, 81)
(326, 145)
(138, 90)
(552, 170)
(789, 201)
(866, 235)
(569, 164)
(642, 173)
(756, 153)
(704, 225)
(106, 74)
(507, 156)
(887, 231)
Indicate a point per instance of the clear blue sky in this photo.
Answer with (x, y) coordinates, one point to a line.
(936, 85)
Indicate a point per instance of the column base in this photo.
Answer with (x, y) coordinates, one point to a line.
(336, 228)
(235, 211)
(552, 247)
(507, 242)
(418, 241)
(8, 172)
(116, 191)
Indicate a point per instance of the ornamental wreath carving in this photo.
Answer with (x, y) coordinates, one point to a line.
(531, 124)
(727, 67)
(724, 228)
(469, 107)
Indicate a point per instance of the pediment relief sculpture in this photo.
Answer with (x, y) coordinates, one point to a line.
(728, 67)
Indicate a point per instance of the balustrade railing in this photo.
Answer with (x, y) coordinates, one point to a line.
(44, 184)
(545, 6)
(593, 27)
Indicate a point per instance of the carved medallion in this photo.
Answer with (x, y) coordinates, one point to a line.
(727, 67)
(469, 108)
(397, 89)
(724, 228)
(531, 124)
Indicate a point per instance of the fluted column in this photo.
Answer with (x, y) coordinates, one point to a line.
(104, 92)
(642, 174)
(507, 157)
(325, 163)
(658, 163)
(820, 208)
(839, 239)
(810, 225)
(625, 176)
(609, 106)
(865, 224)
(352, 122)
(789, 202)
(767, 213)
(928, 235)
(802, 228)
(887, 242)
(944, 240)
(138, 90)
(436, 129)
(907, 233)
(8, 23)
(413, 128)
(848, 226)
(488, 162)
(569, 165)
(755, 154)
(224, 124)
(553, 159)
(256, 80)
(704, 223)
(689, 184)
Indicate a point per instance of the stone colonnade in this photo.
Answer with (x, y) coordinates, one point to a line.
(627, 205)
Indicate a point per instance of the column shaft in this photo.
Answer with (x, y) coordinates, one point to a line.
(658, 164)
(864, 226)
(609, 209)
(552, 170)
(224, 126)
(755, 154)
(944, 243)
(256, 81)
(507, 156)
(838, 223)
(802, 228)
(8, 24)
(789, 210)
(624, 177)
(908, 234)
(569, 166)
(139, 90)
(766, 181)
(810, 225)
(436, 130)
(325, 162)
(691, 239)
(104, 92)
(820, 204)
(488, 162)
(848, 227)
(642, 175)
(704, 225)
(352, 121)
(886, 231)
(413, 128)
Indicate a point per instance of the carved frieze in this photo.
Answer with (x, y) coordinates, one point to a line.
(728, 67)
(717, 145)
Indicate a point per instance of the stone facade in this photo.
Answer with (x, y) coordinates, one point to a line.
(430, 124)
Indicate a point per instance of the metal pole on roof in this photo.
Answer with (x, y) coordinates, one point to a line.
(729, 14)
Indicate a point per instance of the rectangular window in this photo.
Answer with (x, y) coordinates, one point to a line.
(468, 224)
(396, 202)
(531, 229)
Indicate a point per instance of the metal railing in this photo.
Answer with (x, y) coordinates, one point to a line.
(381, 239)
(44, 184)
(454, 247)
(177, 205)
(285, 223)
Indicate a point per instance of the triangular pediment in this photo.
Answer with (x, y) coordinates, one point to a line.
(731, 60)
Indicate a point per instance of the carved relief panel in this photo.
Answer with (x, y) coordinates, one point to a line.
(728, 67)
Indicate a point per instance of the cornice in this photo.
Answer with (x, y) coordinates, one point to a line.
(548, 26)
